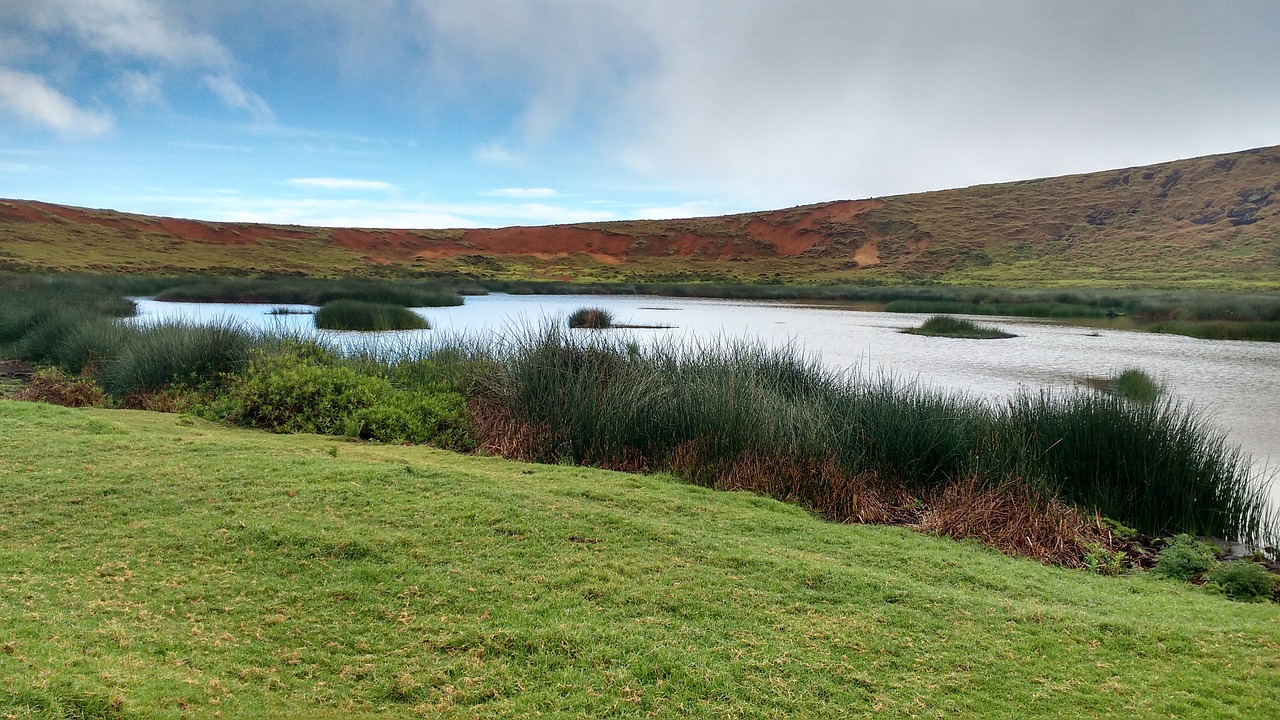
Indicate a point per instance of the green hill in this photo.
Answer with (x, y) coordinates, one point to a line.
(160, 566)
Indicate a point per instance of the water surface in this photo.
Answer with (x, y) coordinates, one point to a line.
(1237, 383)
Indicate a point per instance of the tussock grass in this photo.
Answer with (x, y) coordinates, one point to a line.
(170, 352)
(953, 327)
(591, 318)
(1133, 384)
(367, 316)
(745, 416)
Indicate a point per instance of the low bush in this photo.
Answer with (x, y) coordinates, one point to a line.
(309, 291)
(291, 392)
(1184, 558)
(1242, 580)
(361, 315)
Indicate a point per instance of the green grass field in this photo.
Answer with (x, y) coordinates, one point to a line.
(161, 566)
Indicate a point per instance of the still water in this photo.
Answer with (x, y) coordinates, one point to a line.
(1237, 383)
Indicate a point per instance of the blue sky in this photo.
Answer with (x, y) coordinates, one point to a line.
(456, 113)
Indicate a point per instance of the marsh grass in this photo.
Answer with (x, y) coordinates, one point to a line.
(713, 413)
(1258, 330)
(170, 352)
(591, 319)
(367, 316)
(735, 415)
(1133, 384)
(953, 327)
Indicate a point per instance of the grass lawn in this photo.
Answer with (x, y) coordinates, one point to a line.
(158, 566)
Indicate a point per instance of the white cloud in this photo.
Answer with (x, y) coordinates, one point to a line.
(231, 93)
(118, 35)
(146, 89)
(354, 212)
(132, 28)
(30, 97)
(331, 183)
(494, 153)
(522, 193)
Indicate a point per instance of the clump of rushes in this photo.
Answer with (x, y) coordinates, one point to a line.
(947, 326)
(746, 417)
(591, 319)
(1131, 384)
(360, 315)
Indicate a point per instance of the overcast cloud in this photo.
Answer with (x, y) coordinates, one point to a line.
(729, 104)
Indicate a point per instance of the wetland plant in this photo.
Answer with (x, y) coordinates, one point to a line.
(367, 316)
(591, 319)
(954, 327)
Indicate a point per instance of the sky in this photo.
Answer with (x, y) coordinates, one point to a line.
(484, 113)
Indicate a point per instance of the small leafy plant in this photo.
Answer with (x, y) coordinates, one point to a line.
(1242, 580)
(1103, 560)
(1183, 558)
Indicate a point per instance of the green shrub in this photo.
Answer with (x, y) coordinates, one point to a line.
(294, 392)
(361, 315)
(1242, 580)
(1183, 558)
(591, 319)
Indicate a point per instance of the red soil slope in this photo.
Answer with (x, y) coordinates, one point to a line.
(1211, 221)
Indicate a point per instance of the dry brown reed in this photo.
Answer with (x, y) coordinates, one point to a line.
(1012, 518)
(55, 388)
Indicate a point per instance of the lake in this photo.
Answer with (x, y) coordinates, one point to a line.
(1237, 383)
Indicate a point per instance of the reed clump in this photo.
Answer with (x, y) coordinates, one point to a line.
(749, 417)
(367, 316)
(1132, 384)
(591, 319)
(954, 327)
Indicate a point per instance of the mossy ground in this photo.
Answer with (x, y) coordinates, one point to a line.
(159, 566)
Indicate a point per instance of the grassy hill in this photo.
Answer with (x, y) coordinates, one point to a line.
(1208, 223)
(160, 566)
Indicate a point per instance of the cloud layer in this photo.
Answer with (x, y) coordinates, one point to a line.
(717, 104)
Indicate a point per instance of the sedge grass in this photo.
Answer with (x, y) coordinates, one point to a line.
(591, 318)
(367, 316)
(953, 327)
(1159, 467)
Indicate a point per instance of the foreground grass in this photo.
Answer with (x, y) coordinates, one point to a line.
(158, 566)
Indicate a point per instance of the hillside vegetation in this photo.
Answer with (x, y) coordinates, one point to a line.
(161, 566)
(1206, 223)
